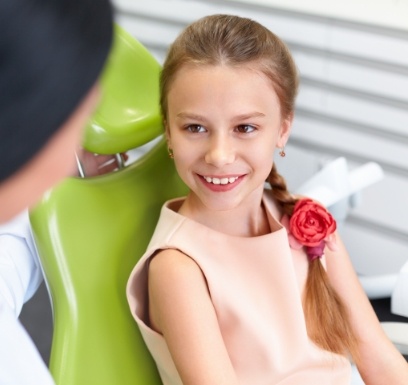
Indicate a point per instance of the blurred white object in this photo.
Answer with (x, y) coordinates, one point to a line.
(397, 332)
(378, 286)
(337, 188)
(399, 298)
(355, 376)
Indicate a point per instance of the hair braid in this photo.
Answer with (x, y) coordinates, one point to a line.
(326, 316)
(280, 191)
(329, 325)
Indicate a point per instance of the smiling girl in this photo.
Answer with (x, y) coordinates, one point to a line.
(242, 284)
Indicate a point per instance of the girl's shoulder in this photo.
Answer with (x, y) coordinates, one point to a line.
(173, 278)
(169, 257)
(172, 265)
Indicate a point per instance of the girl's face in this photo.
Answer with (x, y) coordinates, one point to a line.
(223, 126)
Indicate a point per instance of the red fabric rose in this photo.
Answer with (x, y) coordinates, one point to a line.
(311, 223)
(311, 226)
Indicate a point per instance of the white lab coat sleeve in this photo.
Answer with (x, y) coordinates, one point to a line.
(20, 361)
(20, 276)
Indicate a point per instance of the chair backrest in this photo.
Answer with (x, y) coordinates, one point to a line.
(90, 232)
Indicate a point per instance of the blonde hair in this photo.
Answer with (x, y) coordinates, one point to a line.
(236, 41)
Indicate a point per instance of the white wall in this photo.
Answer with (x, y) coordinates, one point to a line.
(353, 100)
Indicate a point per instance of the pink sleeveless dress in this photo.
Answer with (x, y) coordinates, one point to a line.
(256, 286)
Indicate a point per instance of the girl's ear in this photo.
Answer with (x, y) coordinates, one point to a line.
(285, 130)
(167, 133)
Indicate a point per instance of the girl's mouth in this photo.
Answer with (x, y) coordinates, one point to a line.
(221, 183)
(222, 180)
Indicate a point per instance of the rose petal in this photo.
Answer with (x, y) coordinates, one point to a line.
(331, 242)
(293, 243)
(285, 222)
(316, 251)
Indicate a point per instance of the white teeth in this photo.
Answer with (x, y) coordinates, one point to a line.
(220, 180)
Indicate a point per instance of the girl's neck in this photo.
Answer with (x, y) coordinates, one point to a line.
(244, 220)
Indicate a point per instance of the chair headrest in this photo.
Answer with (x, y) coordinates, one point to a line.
(128, 115)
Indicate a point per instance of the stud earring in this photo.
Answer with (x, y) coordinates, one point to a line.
(282, 152)
(171, 154)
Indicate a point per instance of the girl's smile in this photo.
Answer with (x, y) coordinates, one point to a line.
(221, 183)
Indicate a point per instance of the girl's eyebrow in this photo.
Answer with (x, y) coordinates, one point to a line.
(250, 115)
(186, 115)
(199, 118)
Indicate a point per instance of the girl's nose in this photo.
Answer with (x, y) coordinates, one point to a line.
(220, 152)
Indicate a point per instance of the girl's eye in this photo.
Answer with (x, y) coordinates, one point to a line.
(195, 128)
(245, 128)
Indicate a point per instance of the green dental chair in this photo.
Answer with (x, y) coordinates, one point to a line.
(90, 232)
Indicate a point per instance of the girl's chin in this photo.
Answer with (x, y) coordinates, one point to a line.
(213, 202)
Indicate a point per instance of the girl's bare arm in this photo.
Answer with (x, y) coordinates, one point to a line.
(182, 311)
